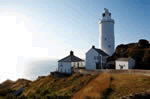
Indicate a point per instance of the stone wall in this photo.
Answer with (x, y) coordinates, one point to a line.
(130, 71)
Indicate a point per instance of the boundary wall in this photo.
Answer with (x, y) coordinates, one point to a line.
(113, 71)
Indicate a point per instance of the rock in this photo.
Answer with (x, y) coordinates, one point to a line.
(139, 51)
(143, 43)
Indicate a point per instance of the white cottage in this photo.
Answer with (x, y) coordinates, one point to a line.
(95, 59)
(67, 64)
(125, 63)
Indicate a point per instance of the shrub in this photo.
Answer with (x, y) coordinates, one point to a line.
(44, 92)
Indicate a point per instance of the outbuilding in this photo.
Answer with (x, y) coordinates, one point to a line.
(95, 59)
(67, 64)
(125, 63)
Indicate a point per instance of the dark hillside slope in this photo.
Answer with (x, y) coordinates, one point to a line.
(9, 86)
(140, 51)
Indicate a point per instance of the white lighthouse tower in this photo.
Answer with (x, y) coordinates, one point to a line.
(106, 33)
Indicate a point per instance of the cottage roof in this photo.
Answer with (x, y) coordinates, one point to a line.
(123, 59)
(100, 51)
(71, 58)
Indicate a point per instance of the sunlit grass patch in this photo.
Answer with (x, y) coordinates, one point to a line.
(58, 86)
(125, 84)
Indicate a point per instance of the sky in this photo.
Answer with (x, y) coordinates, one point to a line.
(44, 29)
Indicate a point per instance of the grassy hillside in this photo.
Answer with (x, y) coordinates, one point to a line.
(49, 86)
(99, 86)
(114, 86)
(94, 88)
(9, 86)
(125, 84)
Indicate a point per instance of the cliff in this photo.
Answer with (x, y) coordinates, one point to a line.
(140, 51)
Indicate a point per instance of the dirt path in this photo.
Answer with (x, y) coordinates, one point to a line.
(94, 88)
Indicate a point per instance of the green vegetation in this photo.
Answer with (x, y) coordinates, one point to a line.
(126, 84)
(50, 86)
(114, 86)
(9, 86)
(78, 86)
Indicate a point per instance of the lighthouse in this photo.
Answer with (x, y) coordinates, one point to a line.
(106, 33)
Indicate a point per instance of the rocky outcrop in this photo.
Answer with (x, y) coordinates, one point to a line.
(140, 51)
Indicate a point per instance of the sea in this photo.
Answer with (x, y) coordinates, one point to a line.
(30, 69)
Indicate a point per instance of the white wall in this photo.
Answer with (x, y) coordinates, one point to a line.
(123, 63)
(66, 67)
(90, 61)
(106, 34)
(106, 37)
(128, 64)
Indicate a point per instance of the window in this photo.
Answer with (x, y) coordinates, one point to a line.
(109, 46)
(98, 57)
(94, 57)
(61, 65)
(109, 14)
(104, 15)
(105, 39)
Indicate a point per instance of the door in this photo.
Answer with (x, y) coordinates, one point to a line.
(78, 65)
(97, 66)
(121, 67)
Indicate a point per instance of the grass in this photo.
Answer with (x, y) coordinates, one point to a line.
(126, 84)
(104, 86)
(9, 86)
(107, 86)
(50, 86)
(94, 88)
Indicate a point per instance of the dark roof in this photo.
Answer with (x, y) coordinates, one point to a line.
(71, 58)
(123, 59)
(101, 52)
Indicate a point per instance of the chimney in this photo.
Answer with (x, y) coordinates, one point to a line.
(71, 52)
(93, 46)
